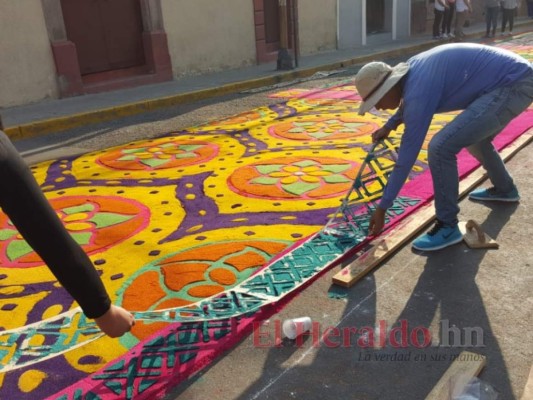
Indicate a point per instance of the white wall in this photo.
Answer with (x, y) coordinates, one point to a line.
(207, 35)
(317, 25)
(350, 24)
(27, 69)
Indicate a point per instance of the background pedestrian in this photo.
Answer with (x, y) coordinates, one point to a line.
(509, 7)
(492, 8)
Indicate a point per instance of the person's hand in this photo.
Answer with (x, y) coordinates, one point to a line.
(115, 322)
(377, 220)
(381, 133)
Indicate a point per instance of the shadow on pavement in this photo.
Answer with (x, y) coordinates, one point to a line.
(445, 301)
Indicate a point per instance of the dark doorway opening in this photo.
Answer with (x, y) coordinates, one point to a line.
(272, 39)
(375, 16)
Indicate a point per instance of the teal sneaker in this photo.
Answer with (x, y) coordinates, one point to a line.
(493, 194)
(439, 237)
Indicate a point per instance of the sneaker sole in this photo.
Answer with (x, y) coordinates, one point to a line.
(442, 246)
(504, 199)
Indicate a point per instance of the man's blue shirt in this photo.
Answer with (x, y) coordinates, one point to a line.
(445, 78)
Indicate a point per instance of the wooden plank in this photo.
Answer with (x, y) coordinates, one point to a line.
(528, 390)
(465, 367)
(384, 245)
(474, 236)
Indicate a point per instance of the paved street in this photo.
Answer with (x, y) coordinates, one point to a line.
(485, 290)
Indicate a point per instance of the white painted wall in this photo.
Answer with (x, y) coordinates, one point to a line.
(207, 35)
(27, 69)
(350, 28)
(317, 25)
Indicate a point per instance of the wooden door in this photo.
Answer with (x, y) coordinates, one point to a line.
(107, 33)
(375, 16)
(271, 14)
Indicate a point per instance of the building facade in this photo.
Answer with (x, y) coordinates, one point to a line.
(61, 48)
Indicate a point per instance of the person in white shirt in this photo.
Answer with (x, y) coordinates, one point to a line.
(440, 6)
(509, 8)
(462, 8)
(492, 8)
(447, 19)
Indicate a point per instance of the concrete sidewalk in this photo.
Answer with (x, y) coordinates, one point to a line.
(51, 116)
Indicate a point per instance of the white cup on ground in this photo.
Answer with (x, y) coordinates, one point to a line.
(296, 326)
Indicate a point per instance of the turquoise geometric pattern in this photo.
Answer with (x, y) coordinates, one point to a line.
(65, 332)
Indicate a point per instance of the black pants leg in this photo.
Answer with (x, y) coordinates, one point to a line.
(437, 22)
(505, 18)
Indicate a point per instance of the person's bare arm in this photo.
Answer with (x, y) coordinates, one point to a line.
(381, 133)
(115, 322)
(377, 221)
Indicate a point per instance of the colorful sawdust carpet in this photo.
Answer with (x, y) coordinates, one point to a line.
(201, 232)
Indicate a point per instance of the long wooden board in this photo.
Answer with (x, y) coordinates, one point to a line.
(465, 367)
(383, 246)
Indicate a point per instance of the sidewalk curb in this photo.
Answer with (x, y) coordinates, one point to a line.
(58, 124)
(62, 123)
